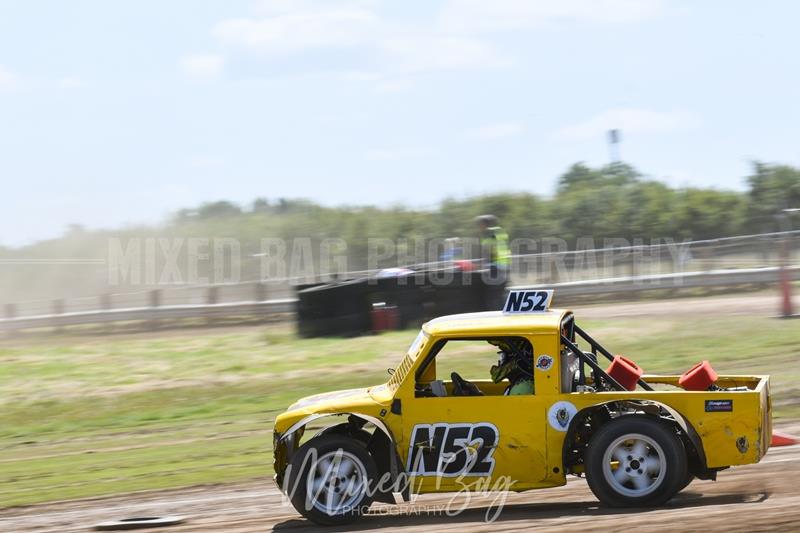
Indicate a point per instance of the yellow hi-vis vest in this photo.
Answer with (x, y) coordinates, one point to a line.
(497, 244)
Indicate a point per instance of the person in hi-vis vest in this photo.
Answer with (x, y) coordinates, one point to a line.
(496, 257)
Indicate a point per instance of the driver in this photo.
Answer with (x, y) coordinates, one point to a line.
(516, 365)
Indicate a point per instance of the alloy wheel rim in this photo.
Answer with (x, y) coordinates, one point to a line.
(336, 483)
(634, 465)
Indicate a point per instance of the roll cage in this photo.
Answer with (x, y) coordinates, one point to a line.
(570, 332)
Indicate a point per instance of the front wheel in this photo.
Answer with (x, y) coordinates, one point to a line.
(635, 461)
(329, 480)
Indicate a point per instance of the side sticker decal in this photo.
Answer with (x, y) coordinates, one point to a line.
(560, 415)
(452, 450)
(719, 406)
(544, 362)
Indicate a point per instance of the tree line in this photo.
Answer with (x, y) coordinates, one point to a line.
(614, 201)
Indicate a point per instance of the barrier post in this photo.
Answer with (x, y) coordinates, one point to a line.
(212, 297)
(105, 305)
(785, 280)
(259, 292)
(154, 299)
(10, 313)
(58, 309)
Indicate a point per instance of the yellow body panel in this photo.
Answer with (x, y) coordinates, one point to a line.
(495, 323)
(530, 441)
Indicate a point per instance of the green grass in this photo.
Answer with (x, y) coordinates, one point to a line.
(105, 415)
(115, 414)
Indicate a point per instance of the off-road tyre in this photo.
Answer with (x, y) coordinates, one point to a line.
(636, 461)
(315, 504)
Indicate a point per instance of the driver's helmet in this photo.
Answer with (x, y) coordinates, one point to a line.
(516, 360)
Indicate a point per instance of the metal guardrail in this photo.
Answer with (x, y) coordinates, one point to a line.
(151, 314)
(678, 280)
(250, 309)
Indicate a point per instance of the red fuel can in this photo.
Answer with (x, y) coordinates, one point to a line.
(625, 371)
(698, 378)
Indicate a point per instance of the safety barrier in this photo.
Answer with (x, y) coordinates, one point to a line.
(450, 298)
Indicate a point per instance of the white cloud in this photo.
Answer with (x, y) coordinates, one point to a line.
(628, 120)
(8, 80)
(310, 27)
(282, 7)
(401, 50)
(202, 66)
(495, 131)
(497, 15)
(395, 154)
(411, 53)
(403, 56)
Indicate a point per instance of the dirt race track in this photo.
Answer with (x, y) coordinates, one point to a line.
(762, 497)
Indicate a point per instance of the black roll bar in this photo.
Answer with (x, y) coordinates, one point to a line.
(594, 366)
(597, 347)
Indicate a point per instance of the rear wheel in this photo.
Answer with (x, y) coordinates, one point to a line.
(635, 461)
(330, 479)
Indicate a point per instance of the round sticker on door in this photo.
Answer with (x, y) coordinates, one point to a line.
(544, 362)
(560, 415)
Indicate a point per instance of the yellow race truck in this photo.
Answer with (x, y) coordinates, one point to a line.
(638, 439)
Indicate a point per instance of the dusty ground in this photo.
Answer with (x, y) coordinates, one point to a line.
(765, 303)
(762, 497)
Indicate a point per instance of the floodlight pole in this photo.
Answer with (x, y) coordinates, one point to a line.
(614, 139)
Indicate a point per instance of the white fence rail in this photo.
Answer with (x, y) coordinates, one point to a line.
(154, 313)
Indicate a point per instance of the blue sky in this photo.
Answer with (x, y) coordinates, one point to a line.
(114, 113)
